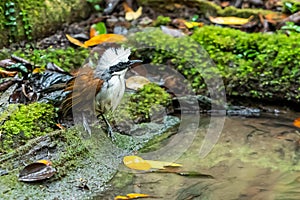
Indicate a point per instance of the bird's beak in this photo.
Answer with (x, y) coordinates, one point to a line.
(132, 62)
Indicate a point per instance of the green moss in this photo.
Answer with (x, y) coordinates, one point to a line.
(261, 65)
(67, 59)
(147, 99)
(25, 122)
(252, 65)
(161, 20)
(73, 154)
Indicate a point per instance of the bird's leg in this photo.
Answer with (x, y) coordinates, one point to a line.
(109, 128)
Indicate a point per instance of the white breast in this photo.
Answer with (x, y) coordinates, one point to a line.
(112, 92)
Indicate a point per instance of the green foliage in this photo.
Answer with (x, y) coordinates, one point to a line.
(147, 99)
(161, 20)
(11, 19)
(290, 28)
(251, 65)
(26, 24)
(24, 123)
(67, 59)
(258, 64)
(95, 4)
(291, 6)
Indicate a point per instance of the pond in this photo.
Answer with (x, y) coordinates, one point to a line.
(254, 158)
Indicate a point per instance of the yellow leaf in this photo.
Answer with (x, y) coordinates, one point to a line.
(75, 41)
(131, 15)
(98, 39)
(135, 162)
(121, 198)
(161, 164)
(37, 70)
(230, 20)
(193, 24)
(137, 195)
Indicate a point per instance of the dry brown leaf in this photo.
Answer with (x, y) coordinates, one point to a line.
(230, 20)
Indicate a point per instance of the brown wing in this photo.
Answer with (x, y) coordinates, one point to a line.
(83, 88)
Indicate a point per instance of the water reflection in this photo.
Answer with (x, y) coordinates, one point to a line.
(255, 158)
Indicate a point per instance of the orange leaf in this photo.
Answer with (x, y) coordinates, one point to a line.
(137, 195)
(275, 17)
(93, 32)
(46, 162)
(297, 122)
(75, 41)
(230, 20)
(127, 8)
(98, 39)
(135, 162)
(4, 73)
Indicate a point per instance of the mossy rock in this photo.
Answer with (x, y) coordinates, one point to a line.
(253, 65)
(24, 122)
(32, 19)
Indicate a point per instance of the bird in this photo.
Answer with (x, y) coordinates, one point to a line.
(99, 89)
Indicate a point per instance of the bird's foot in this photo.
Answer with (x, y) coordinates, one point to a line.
(111, 134)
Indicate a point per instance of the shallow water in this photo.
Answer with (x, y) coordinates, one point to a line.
(254, 158)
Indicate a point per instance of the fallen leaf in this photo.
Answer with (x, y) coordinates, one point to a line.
(275, 18)
(126, 7)
(193, 24)
(297, 122)
(104, 38)
(130, 14)
(132, 196)
(137, 195)
(46, 162)
(37, 171)
(75, 41)
(135, 162)
(230, 20)
(161, 164)
(4, 73)
(121, 198)
(136, 82)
